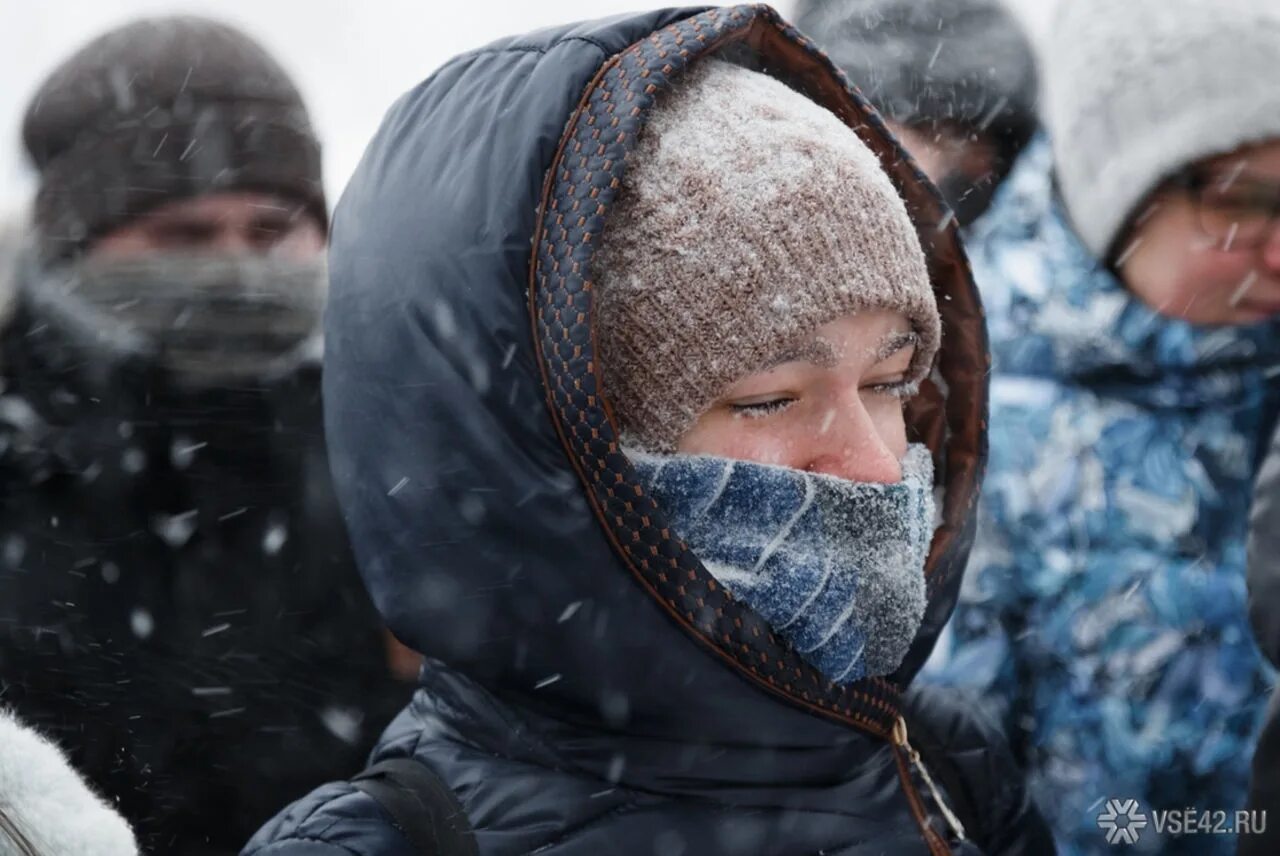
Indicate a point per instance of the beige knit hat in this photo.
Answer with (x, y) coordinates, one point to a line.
(748, 217)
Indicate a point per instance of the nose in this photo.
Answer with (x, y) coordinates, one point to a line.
(856, 448)
(232, 239)
(1271, 250)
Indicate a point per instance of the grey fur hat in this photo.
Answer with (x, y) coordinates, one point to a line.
(922, 62)
(749, 216)
(1136, 90)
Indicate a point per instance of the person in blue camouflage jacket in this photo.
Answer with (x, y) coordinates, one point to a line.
(1130, 269)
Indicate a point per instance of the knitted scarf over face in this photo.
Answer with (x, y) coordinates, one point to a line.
(208, 319)
(835, 566)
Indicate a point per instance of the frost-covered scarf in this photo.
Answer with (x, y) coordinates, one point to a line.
(835, 566)
(208, 319)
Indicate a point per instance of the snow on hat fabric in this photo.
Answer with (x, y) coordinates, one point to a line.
(1136, 90)
(749, 216)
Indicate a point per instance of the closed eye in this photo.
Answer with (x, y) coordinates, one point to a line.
(903, 389)
(762, 407)
(183, 232)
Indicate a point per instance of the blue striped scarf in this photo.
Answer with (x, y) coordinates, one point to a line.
(836, 567)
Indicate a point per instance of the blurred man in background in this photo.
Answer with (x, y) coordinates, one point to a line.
(955, 79)
(178, 604)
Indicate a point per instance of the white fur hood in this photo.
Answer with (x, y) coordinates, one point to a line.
(50, 804)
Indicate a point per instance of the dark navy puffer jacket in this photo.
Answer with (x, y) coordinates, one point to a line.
(590, 689)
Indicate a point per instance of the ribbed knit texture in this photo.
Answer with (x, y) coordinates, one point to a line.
(749, 216)
(1135, 90)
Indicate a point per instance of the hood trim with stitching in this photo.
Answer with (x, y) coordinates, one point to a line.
(581, 183)
(477, 533)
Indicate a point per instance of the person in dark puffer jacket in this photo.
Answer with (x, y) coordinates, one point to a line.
(179, 606)
(658, 500)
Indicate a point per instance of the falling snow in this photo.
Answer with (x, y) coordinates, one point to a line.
(141, 622)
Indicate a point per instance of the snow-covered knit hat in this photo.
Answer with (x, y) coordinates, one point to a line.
(1136, 90)
(44, 803)
(748, 217)
(925, 61)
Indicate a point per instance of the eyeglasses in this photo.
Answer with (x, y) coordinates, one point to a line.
(1235, 211)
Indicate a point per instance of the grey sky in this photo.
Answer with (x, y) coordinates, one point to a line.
(351, 58)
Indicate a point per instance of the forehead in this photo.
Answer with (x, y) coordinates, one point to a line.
(1261, 159)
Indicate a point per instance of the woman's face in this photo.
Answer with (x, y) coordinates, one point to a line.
(1207, 250)
(832, 405)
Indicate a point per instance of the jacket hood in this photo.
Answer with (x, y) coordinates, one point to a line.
(498, 526)
(12, 250)
(48, 804)
(1058, 312)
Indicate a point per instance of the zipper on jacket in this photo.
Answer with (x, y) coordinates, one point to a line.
(900, 740)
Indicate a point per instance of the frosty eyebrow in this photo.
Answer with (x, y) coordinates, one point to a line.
(895, 342)
(823, 354)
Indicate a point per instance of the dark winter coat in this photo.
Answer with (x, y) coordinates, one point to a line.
(592, 690)
(178, 604)
(1264, 614)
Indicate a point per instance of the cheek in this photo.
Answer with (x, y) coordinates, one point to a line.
(1195, 283)
(1219, 271)
(772, 440)
(1193, 263)
(124, 243)
(1178, 272)
(302, 242)
(890, 423)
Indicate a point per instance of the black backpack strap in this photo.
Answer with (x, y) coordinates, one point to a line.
(422, 807)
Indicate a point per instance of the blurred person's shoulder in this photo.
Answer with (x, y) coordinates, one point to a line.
(336, 819)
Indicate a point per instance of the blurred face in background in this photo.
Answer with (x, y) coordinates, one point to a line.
(218, 289)
(232, 222)
(961, 163)
(1207, 247)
